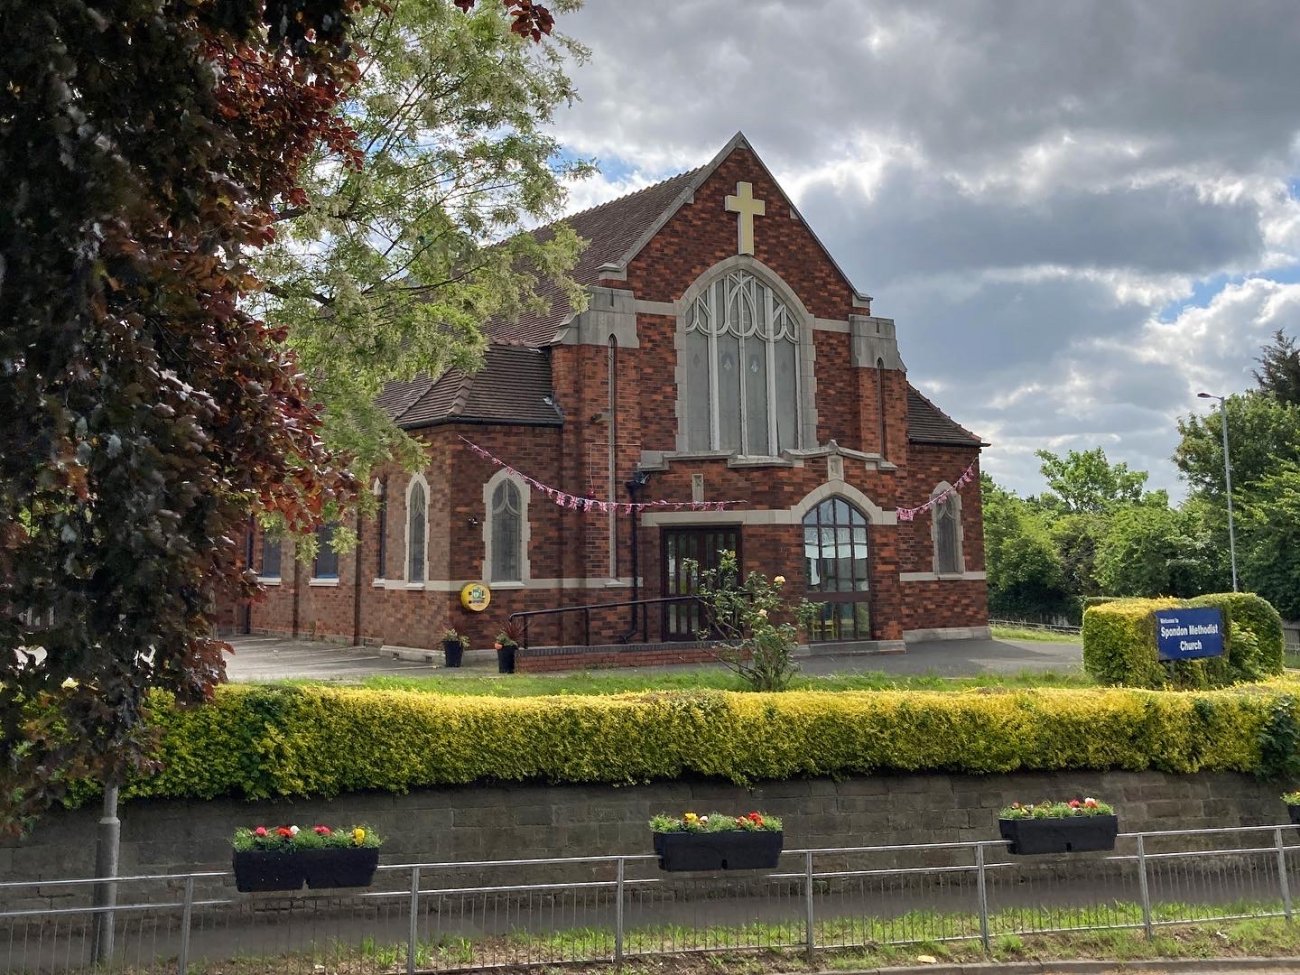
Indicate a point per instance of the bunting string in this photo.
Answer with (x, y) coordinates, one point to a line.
(574, 502)
(909, 514)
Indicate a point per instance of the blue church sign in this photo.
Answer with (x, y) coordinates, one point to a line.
(1186, 634)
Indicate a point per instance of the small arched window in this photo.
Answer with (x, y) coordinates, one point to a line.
(507, 533)
(741, 392)
(946, 530)
(417, 520)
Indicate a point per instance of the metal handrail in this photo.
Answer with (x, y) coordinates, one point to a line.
(586, 609)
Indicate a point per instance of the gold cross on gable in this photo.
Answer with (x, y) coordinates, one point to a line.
(744, 204)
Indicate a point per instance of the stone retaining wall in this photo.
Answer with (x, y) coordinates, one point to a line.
(526, 821)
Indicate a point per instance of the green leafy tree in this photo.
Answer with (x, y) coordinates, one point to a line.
(1087, 481)
(1279, 369)
(1270, 536)
(1263, 435)
(1076, 536)
(145, 147)
(1025, 573)
(1153, 550)
(393, 268)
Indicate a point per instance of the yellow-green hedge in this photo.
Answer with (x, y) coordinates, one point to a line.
(315, 741)
(1119, 643)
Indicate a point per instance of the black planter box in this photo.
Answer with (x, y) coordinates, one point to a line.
(257, 870)
(506, 660)
(452, 653)
(1295, 814)
(1070, 834)
(340, 868)
(733, 849)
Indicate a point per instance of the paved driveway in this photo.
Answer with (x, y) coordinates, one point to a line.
(271, 658)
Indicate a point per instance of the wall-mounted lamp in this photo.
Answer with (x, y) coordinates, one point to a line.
(471, 521)
(638, 481)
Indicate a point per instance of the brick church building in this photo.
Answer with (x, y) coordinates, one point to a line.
(726, 388)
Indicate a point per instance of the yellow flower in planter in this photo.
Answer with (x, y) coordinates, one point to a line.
(358, 835)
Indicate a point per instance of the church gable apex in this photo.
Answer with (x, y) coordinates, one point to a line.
(751, 214)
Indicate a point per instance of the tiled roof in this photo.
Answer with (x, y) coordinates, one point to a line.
(926, 423)
(610, 230)
(514, 386)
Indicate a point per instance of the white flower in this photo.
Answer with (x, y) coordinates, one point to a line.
(779, 580)
(293, 830)
(69, 683)
(763, 613)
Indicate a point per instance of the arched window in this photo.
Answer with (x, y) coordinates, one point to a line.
(946, 531)
(835, 555)
(417, 520)
(742, 369)
(507, 533)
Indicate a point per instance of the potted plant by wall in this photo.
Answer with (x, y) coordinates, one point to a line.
(717, 841)
(1076, 826)
(453, 647)
(1292, 800)
(283, 857)
(507, 644)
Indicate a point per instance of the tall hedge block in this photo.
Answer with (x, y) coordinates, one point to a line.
(261, 742)
(1119, 643)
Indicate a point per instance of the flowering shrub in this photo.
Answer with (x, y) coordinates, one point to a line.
(450, 635)
(746, 617)
(1291, 798)
(1057, 810)
(291, 839)
(714, 823)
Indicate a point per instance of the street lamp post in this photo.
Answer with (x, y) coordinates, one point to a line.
(1227, 482)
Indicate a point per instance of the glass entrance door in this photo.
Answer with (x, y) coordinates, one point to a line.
(683, 621)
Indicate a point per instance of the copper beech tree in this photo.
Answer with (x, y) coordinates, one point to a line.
(146, 146)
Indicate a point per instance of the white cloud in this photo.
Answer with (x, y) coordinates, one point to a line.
(1027, 188)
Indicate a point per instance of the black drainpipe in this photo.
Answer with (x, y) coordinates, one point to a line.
(634, 488)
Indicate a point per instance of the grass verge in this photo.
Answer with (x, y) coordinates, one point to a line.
(1035, 636)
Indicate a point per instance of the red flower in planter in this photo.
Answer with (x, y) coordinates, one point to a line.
(260, 831)
(285, 832)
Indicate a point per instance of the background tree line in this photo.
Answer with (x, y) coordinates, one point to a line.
(1096, 530)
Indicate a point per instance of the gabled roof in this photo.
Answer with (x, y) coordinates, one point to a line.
(514, 386)
(926, 423)
(617, 231)
(610, 229)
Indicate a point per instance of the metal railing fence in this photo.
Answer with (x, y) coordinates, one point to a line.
(440, 917)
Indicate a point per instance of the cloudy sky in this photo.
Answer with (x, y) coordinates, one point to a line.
(1079, 213)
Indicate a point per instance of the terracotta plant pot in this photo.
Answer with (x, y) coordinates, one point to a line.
(1069, 834)
(733, 849)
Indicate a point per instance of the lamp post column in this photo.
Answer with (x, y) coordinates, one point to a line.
(1227, 481)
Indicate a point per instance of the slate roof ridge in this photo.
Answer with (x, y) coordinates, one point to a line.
(957, 428)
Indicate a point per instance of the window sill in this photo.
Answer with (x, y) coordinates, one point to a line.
(268, 580)
(515, 584)
(379, 584)
(324, 583)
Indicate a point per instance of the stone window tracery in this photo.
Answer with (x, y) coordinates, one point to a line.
(742, 369)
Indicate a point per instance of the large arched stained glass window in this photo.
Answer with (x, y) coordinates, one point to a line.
(742, 370)
(835, 556)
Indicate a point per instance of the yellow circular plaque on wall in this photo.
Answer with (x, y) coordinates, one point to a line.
(475, 596)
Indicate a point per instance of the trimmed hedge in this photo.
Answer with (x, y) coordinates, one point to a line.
(1119, 643)
(260, 742)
